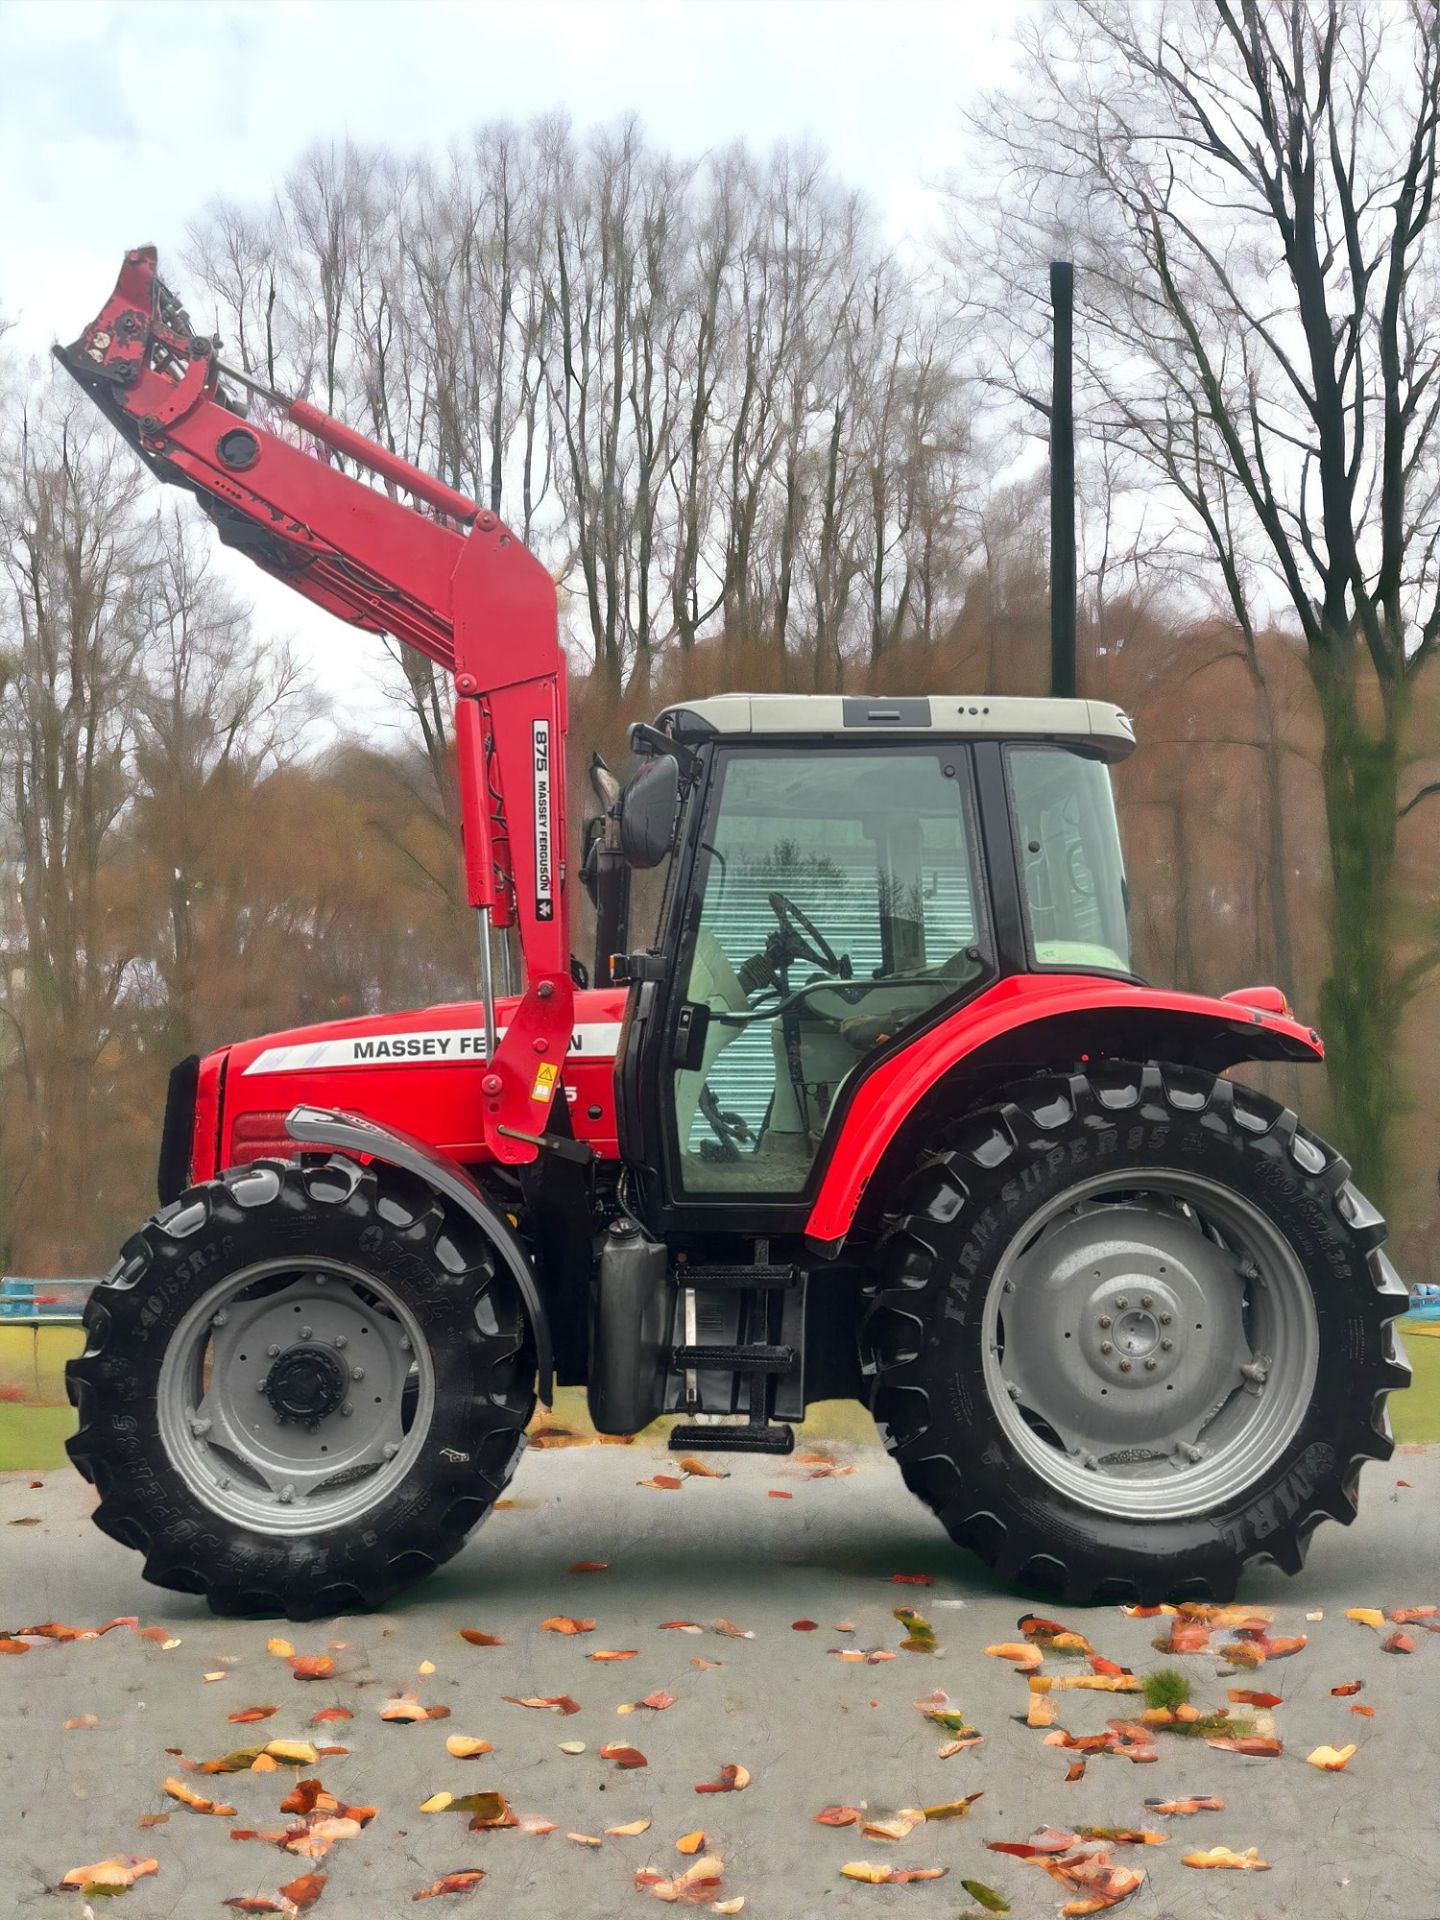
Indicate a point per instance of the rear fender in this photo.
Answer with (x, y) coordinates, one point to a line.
(1029, 1022)
(353, 1134)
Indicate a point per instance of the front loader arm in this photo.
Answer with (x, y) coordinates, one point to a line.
(451, 582)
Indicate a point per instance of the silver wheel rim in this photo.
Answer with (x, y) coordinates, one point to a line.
(294, 1397)
(1150, 1345)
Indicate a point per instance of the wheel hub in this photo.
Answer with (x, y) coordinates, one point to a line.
(305, 1383)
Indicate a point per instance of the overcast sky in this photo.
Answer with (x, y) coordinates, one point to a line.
(120, 119)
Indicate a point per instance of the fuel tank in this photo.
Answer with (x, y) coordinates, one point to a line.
(417, 1071)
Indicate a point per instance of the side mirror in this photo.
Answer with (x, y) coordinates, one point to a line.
(648, 807)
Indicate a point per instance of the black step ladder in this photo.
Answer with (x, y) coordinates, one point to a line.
(760, 1362)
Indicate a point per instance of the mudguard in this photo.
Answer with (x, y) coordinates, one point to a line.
(352, 1133)
(1033, 1019)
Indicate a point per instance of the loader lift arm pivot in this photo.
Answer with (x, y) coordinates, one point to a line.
(452, 582)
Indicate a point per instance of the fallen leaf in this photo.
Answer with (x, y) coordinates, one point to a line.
(803, 1626)
(626, 1758)
(662, 1482)
(1247, 1697)
(211, 1678)
(691, 1842)
(80, 1720)
(247, 1716)
(731, 1631)
(954, 1809)
(461, 1746)
(707, 1666)
(573, 1746)
(478, 1639)
(437, 1803)
(1075, 1771)
(305, 1891)
(732, 1780)
(1398, 1643)
(1349, 1687)
(1247, 1862)
(838, 1816)
(1045, 1840)
(986, 1897)
(330, 1713)
(1124, 1836)
(728, 1906)
(889, 1876)
(630, 1829)
(1366, 1616)
(1253, 1744)
(110, 1876)
(919, 1634)
(1201, 1803)
(658, 1701)
(187, 1797)
(614, 1653)
(426, 1667)
(1408, 1616)
(694, 1885)
(1369, 1712)
(698, 1470)
(533, 1823)
(259, 1903)
(778, 1493)
(913, 1579)
(566, 1624)
(591, 1566)
(898, 1826)
(586, 1839)
(557, 1703)
(312, 1666)
(11, 1645)
(458, 1882)
(680, 1626)
(162, 1637)
(1331, 1759)
(282, 1649)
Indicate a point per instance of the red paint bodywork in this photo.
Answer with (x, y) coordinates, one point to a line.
(887, 1095)
(437, 1100)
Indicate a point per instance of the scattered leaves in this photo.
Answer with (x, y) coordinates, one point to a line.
(626, 1758)
(247, 1716)
(1366, 1616)
(838, 1816)
(477, 1639)
(566, 1623)
(312, 1666)
(1398, 1643)
(699, 1470)
(889, 1876)
(630, 1829)
(116, 1875)
(461, 1746)
(459, 1882)
(1331, 1759)
(1199, 1803)
(662, 1482)
(985, 1896)
(589, 1566)
(188, 1797)
(954, 1809)
(691, 1842)
(557, 1703)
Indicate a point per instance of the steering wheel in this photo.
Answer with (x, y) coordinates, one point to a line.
(803, 934)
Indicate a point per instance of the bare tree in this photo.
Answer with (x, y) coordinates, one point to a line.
(1246, 186)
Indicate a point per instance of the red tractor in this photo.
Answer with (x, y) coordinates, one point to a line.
(882, 1111)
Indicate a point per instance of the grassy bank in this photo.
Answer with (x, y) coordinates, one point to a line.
(35, 1420)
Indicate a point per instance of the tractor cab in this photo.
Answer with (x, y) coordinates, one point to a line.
(842, 872)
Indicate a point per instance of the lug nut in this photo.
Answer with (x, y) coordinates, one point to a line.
(1166, 1345)
(1012, 1389)
(307, 1333)
(1105, 1320)
(198, 1425)
(404, 1343)
(1122, 1303)
(1090, 1463)
(260, 1386)
(1165, 1319)
(1150, 1365)
(1146, 1300)
(346, 1411)
(340, 1342)
(287, 1494)
(219, 1319)
(357, 1373)
(1107, 1346)
(1125, 1366)
(273, 1351)
(390, 1449)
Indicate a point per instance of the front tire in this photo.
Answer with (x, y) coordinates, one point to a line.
(303, 1386)
(1129, 1333)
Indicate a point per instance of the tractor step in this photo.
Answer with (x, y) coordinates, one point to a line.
(756, 1359)
(703, 1439)
(738, 1277)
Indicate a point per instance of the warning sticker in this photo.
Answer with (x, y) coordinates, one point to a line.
(545, 1077)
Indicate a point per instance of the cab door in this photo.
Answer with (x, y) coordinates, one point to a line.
(829, 900)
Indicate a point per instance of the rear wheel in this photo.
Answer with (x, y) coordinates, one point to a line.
(303, 1386)
(1129, 1333)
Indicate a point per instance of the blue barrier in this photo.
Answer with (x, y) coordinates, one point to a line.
(30, 1301)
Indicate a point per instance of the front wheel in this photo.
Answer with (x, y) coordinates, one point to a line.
(303, 1385)
(1129, 1333)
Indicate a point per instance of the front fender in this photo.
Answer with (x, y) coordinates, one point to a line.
(1030, 1021)
(352, 1133)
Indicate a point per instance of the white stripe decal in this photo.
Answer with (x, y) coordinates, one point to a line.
(436, 1047)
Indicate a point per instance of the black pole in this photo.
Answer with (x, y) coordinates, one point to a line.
(1062, 485)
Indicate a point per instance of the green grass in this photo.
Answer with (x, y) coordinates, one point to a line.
(33, 1429)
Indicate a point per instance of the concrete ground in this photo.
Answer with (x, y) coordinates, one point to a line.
(812, 1729)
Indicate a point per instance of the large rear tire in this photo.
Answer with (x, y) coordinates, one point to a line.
(303, 1386)
(1129, 1334)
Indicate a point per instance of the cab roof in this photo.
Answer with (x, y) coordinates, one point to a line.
(1092, 724)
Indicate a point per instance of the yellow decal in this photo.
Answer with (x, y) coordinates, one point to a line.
(545, 1078)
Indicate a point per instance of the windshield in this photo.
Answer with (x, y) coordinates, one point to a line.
(1069, 847)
